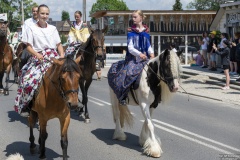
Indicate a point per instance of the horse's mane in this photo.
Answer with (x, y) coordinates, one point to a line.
(175, 68)
(69, 65)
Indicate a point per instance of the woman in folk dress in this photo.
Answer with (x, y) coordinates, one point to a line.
(73, 41)
(124, 73)
(42, 41)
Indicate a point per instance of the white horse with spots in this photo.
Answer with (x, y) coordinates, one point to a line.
(159, 79)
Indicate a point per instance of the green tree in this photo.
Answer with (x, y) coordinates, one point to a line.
(63, 38)
(65, 15)
(101, 5)
(205, 4)
(13, 10)
(177, 6)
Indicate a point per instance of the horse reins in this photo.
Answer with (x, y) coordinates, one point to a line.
(160, 78)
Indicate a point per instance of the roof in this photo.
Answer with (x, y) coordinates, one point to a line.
(62, 26)
(221, 12)
(99, 14)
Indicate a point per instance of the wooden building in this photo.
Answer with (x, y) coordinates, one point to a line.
(166, 26)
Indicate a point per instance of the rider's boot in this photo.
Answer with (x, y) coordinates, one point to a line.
(25, 112)
(123, 101)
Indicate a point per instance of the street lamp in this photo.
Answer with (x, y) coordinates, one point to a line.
(22, 11)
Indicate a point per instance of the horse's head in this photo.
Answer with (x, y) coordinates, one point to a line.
(97, 40)
(69, 75)
(3, 28)
(170, 69)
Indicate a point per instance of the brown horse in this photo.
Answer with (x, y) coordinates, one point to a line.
(93, 49)
(6, 57)
(19, 63)
(57, 94)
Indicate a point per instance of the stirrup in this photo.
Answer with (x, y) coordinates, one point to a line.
(123, 102)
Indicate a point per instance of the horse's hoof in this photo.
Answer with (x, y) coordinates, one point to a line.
(16, 80)
(33, 150)
(1, 91)
(80, 114)
(87, 121)
(6, 93)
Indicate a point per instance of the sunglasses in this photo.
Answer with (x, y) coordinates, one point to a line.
(5, 22)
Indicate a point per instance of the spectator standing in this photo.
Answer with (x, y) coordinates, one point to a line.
(211, 51)
(224, 36)
(233, 61)
(225, 53)
(238, 57)
(204, 42)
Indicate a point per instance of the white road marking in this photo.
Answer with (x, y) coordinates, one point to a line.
(193, 139)
(100, 104)
(107, 103)
(180, 134)
(197, 135)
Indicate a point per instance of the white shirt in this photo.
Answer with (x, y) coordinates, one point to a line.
(27, 23)
(205, 43)
(221, 43)
(42, 38)
(136, 52)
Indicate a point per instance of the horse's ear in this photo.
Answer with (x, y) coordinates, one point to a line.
(104, 30)
(179, 53)
(56, 61)
(91, 29)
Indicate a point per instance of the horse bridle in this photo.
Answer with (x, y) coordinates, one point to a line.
(93, 47)
(62, 92)
(159, 77)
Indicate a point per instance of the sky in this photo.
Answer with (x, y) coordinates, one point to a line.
(57, 6)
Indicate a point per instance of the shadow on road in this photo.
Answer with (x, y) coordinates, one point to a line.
(14, 116)
(23, 149)
(105, 135)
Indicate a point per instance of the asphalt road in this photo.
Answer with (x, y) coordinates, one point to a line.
(199, 129)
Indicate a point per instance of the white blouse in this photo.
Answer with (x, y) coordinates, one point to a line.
(27, 23)
(42, 38)
(136, 52)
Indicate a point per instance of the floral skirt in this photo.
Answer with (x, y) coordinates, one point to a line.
(72, 49)
(30, 78)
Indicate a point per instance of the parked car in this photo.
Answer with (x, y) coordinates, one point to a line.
(192, 53)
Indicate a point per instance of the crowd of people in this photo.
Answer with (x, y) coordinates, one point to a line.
(228, 50)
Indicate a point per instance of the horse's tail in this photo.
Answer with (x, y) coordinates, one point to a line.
(120, 111)
(16, 156)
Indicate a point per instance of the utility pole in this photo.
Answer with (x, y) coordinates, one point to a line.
(22, 12)
(84, 10)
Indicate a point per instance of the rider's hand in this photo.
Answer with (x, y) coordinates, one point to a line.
(39, 56)
(143, 56)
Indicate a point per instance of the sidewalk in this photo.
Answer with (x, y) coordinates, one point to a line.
(201, 82)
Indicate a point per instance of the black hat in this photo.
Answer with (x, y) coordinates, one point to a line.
(226, 42)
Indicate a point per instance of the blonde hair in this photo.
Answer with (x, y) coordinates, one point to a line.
(140, 13)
